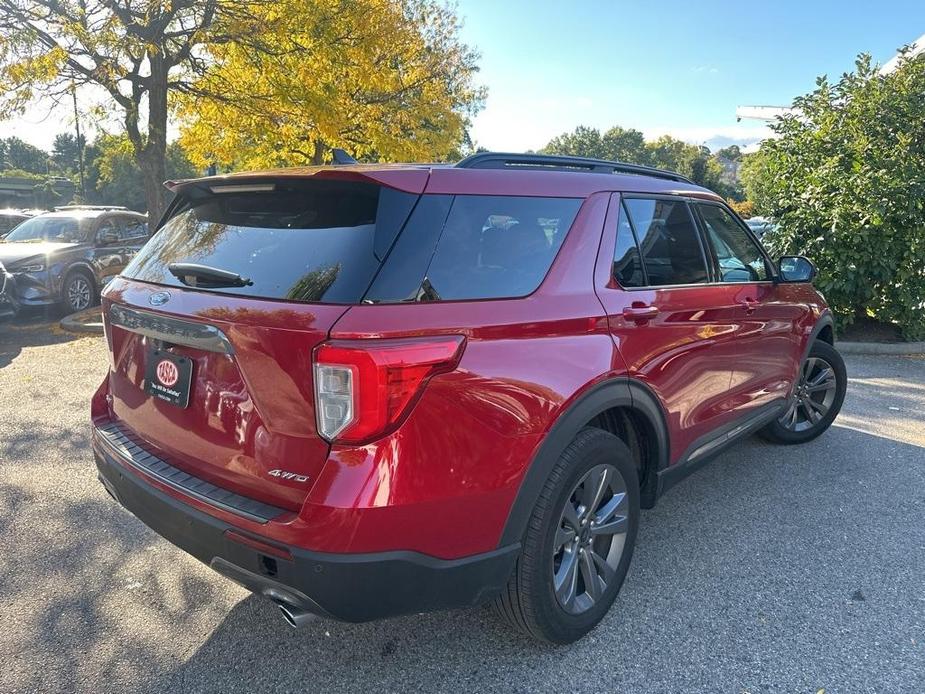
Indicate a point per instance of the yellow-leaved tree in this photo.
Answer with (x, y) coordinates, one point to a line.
(386, 80)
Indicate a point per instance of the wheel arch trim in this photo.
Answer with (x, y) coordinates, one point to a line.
(79, 266)
(824, 321)
(615, 392)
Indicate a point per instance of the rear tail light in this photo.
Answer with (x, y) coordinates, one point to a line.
(364, 388)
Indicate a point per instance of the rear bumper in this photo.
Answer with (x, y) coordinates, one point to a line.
(350, 587)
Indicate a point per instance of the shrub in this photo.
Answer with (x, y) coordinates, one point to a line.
(845, 180)
(743, 208)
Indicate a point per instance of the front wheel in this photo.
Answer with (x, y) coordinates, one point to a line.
(78, 292)
(816, 400)
(579, 542)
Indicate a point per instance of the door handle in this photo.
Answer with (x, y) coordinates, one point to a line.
(640, 312)
(749, 305)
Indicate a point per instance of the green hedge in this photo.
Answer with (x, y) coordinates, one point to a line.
(845, 180)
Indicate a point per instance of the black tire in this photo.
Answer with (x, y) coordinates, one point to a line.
(70, 291)
(529, 601)
(778, 431)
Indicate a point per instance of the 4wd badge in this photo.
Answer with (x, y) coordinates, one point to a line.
(286, 475)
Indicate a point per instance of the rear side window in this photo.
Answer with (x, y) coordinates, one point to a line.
(133, 229)
(627, 265)
(317, 241)
(496, 246)
(737, 255)
(668, 241)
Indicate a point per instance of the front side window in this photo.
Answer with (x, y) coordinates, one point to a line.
(668, 241)
(738, 256)
(495, 246)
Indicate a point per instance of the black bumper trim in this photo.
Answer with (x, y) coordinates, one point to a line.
(117, 439)
(349, 587)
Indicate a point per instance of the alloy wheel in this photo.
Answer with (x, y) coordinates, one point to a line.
(589, 539)
(78, 293)
(813, 397)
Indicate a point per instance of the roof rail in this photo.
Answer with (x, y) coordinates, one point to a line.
(503, 160)
(63, 208)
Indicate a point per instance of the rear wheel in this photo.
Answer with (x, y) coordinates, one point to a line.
(579, 542)
(817, 399)
(78, 291)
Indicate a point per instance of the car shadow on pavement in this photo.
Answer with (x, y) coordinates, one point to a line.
(29, 329)
(81, 599)
(768, 570)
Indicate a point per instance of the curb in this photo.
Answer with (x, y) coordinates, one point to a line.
(894, 348)
(83, 322)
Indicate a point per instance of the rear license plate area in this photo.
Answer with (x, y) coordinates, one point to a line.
(168, 377)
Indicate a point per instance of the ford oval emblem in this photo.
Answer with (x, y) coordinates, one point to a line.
(159, 298)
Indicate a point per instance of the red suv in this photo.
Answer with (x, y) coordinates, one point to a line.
(363, 391)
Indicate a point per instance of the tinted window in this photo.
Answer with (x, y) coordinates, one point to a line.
(738, 257)
(313, 242)
(401, 276)
(497, 246)
(668, 241)
(133, 229)
(627, 266)
(108, 227)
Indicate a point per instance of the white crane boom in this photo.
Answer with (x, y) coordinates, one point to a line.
(766, 113)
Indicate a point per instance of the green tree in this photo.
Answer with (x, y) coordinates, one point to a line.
(628, 145)
(114, 177)
(17, 154)
(582, 142)
(845, 180)
(65, 153)
(622, 144)
(697, 163)
(732, 153)
(617, 144)
(757, 181)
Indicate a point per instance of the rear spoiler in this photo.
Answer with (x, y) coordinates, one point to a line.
(408, 179)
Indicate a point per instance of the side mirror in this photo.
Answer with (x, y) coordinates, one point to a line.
(106, 237)
(795, 268)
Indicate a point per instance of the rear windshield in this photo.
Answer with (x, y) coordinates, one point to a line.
(321, 242)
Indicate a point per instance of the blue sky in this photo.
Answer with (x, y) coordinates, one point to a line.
(665, 66)
(662, 66)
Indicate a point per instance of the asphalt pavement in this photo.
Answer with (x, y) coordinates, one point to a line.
(774, 569)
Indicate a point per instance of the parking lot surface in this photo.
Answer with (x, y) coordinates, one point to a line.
(774, 569)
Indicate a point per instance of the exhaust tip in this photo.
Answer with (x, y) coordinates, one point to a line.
(294, 616)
